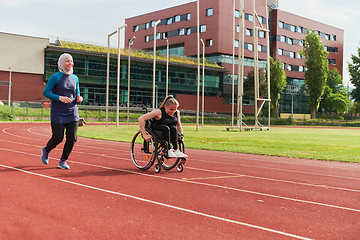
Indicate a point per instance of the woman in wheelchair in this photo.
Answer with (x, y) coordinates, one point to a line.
(167, 120)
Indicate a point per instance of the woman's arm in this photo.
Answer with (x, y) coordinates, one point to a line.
(179, 126)
(49, 87)
(153, 114)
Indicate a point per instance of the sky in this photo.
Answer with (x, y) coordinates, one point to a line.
(90, 21)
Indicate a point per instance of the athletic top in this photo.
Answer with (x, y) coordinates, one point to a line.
(166, 119)
(61, 84)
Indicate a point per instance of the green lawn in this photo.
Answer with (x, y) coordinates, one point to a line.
(335, 144)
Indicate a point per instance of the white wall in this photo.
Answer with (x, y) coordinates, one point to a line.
(22, 53)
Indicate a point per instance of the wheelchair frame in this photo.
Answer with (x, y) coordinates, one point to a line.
(144, 154)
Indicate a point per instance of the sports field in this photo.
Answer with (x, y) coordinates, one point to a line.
(219, 195)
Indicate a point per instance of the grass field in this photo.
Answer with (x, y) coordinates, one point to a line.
(331, 144)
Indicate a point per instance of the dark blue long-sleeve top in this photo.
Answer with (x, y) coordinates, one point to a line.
(61, 84)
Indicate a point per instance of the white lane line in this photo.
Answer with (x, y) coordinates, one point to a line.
(160, 204)
(206, 184)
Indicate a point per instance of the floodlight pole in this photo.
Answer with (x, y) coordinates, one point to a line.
(198, 62)
(203, 85)
(107, 77)
(154, 63)
(233, 68)
(167, 68)
(118, 77)
(241, 65)
(128, 95)
(9, 88)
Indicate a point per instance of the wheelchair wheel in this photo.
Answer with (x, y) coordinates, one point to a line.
(170, 163)
(143, 153)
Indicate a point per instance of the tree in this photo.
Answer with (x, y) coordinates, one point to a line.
(354, 71)
(335, 97)
(249, 84)
(316, 73)
(277, 83)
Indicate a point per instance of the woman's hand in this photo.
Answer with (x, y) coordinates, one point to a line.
(147, 137)
(79, 98)
(64, 99)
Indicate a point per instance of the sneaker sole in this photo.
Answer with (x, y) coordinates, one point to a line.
(61, 167)
(43, 159)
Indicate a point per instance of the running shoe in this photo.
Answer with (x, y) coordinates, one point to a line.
(63, 164)
(171, 153)
(180, 154)
(44, 156)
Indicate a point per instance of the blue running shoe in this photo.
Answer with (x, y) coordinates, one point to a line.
(63, 164)
(44, 156)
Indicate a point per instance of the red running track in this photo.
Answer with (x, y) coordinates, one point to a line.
(219, 195)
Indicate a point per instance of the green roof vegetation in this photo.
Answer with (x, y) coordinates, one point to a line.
(135, 53)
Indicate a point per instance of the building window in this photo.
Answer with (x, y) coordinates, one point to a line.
(292, 54)
(209, 12)
(188, 31)
(164, 35)
(177, 18)
(208, 42)
(282, 39)
(298, 55)
(136, 28)
(301, 68)
(203, 28)
(288, 67)
(250, 47)
(299, 29)
(334, 37)
(280, 51)
(188, 16)
(281, 24)
(147, 38)
(236, 43)
(236, 13)
(169, 21)
(237, 28)
(292, 28)
(248, 32)
(147, 25)
(181, 31)
(261, 34)
(158, 35)
(290, 41)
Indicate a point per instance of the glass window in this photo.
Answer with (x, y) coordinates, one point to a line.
(299, 29)
(250, 47)
(177, 18)
(280, 51)
(292, 28)
(301, 68)
(209, 12)
(292, 54)
(203, 28)
(147, 38)
(236, 13)
(298, 55)
(164, 35)
(147, 25)
(188, 16)
(248, 32)
(288, 67)
(153, 23)
(181, 31)
(236, 43)
(281, 24)
(282, 39)
(208, 42)
(290, 41)
(261, 34)
(158, 36)
(188, 31)
(259, 48)
(169, 21)
(136, 28)
(251, 18)
(237, 28)
(334, 37)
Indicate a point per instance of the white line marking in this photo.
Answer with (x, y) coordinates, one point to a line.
(160, 204)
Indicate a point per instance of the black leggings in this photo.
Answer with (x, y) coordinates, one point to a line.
(169, 132)
(58, 136)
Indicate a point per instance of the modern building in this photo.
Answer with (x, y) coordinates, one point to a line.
(177, 31)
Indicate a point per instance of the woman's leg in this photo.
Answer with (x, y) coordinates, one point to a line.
(174, 136)
(164, 129)
(57, 136)
(71, 137)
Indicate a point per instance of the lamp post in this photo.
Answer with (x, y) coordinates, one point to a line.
(107, 77)
(167, 68)
(203, 85)
(9, 88)
(154, 63)
(128, 95)
(118, 77)
(198, 61)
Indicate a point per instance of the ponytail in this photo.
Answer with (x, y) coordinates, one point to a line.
(169, 100)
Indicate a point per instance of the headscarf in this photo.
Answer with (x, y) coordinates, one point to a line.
(61, 64)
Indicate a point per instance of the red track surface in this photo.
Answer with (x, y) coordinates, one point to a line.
(218, 195)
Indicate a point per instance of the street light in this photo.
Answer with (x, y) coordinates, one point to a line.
(118, 77)
(198, 61)
(9, 88)
(107, 77)
(153, 102)
(128, 95)
(203, 85)
(167, 67)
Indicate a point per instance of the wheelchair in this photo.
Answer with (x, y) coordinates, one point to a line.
(144, 154)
